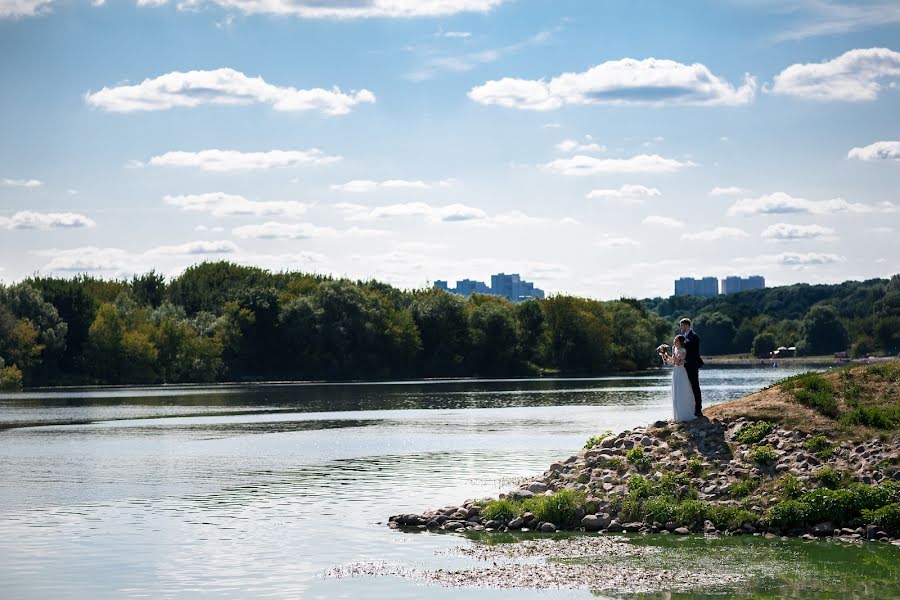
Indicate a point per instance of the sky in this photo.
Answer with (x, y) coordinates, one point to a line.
(597, 148)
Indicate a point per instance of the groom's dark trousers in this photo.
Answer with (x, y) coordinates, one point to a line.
(693, 374)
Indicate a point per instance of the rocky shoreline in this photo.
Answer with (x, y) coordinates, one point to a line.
(722, 477)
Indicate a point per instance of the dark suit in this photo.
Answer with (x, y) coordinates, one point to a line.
(692, 364)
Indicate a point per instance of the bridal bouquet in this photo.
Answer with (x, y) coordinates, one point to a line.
(662, 350)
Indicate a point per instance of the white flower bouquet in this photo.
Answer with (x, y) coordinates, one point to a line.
(662, 350)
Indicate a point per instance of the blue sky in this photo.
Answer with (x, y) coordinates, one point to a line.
(597, 148)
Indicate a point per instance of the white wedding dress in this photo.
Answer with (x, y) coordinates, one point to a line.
(683, 405)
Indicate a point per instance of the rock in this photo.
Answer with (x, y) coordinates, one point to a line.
(521, 495)
(646, 441)
(821, 529)
(659, 424)
(872, 532)
(607, 442)
(548, 528)
(516, 523)
(632, 527)
(614, 526)
(453, 525)
(494, 524)
(708, 527)
(807, 536)
(682, 530)
(596, 522)
(536, 487)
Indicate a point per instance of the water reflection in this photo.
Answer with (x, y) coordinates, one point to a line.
(256, 490)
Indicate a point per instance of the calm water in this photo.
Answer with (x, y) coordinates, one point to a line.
(240, 491)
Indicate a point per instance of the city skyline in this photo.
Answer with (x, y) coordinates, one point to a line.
(602, 150)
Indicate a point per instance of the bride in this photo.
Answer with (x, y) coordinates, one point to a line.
(682, 394)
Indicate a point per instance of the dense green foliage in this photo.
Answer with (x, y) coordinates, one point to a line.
(224, 322)
(852, 505)
(861, 316)
(558, 508)
(753, 433)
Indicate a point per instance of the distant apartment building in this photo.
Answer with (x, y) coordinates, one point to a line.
(512, 287)
(733, 284)
(689, 286)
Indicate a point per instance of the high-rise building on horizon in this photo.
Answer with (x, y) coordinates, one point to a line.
(511, 286)
(689, 286)
(733, 283)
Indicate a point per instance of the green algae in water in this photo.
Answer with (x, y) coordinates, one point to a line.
(776, 568)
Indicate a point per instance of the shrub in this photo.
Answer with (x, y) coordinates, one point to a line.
(694, 467)
(690, 513)
(879, 417)
(789, 487)
(640, 487)
(763, 454)
(852, 392)
(637, 457)
(814, 391)
(594, 441)
(819, 446)
(886, 517)
(558, 508)
(832, 479)
(660, 509)
(10, 378)
(724, 515)
(743, 488)
(789, 514)
(754, 433)
(888, 371)
(503, 510)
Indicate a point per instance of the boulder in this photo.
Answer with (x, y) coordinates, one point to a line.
(822, 529)
(548, 528)
(536, 487)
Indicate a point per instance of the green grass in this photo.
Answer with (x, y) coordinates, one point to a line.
(886, 517)
(503, 510)
(754, 433)
(819, 446)
(558, 508)
(764, 455)
(594, 441)
(832, 478)
(878, 417)
(743, 488)
(789, 487)
(695, 467)
(637, 457)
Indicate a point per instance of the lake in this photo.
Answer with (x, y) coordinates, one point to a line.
(259, 490)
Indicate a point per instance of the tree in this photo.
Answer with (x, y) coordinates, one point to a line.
(533, 331)
(76, 308)
(822, 332)
(149, 289)
(764, 344)
(580, 335)
(440, 317)
(634, 338)
(716, 333)
(495, 338)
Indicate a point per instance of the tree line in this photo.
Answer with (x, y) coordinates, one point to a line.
(220, 321)
(862, 317)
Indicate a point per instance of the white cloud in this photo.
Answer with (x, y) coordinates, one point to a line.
(517, 217)
(715, 234)
(883, 229)
(362, 186)
(781, 203)
(830, 17)
(14, 9)
(233, 160)
(24, 183)
(628, 193)
(272, 230)
(219, 204)
(206, 228)
(27, 219)
(731, 190)
(551, 126)
(432, 214)
(785, 232)
(608, 241)
(351, 9)
(570, 145)
(456, 34)
(796, 259)
(198, 247)
(851, 77)
(87, 259)
(877, 151)
(626, 81)
(569, 221)
(224, 87)
(642, 163)
(662, 221)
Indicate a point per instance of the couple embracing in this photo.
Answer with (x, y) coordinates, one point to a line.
(685, 358)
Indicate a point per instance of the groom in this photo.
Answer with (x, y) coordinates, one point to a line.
(692, 362)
